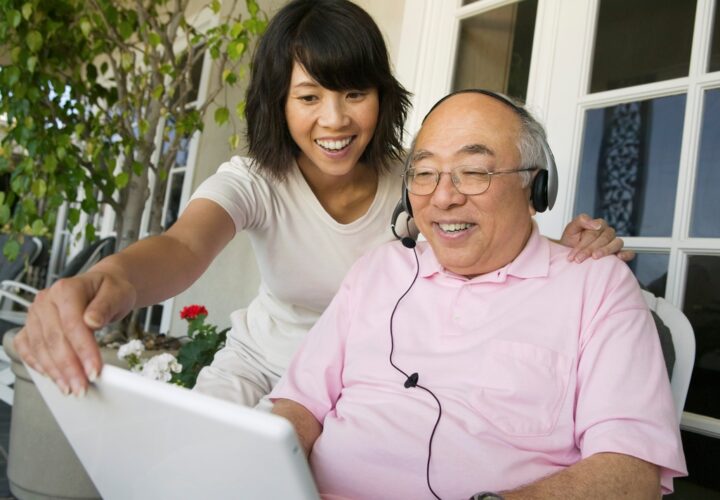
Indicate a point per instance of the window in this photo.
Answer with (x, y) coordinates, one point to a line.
(494, 49)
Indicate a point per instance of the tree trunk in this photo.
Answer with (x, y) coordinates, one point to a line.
(137, 195)
(157, 202)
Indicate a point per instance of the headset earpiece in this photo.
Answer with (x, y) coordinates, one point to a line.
(406, 201)
(539, 191)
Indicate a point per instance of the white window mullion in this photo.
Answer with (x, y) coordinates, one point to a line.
(424, 68)
(571, 44)
(701, 38)
(542, 58)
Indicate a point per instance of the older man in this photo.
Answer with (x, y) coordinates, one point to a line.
(482, 359)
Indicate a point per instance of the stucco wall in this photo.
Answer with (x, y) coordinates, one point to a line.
(233, 279)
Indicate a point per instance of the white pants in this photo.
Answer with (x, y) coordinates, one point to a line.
(240, 375)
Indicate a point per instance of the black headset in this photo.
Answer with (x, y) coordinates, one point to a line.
(543, 192)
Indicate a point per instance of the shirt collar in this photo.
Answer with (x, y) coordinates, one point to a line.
(532, 262)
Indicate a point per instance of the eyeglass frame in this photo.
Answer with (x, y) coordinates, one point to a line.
(456, 180)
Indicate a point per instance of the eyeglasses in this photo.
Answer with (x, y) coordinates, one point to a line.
(468, 180)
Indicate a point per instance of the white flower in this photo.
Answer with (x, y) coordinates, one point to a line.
(161, 367)
(133, 348)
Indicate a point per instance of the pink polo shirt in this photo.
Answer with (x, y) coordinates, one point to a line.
(537, 365)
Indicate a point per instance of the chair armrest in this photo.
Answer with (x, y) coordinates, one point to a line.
(8, 284)
(15, 298)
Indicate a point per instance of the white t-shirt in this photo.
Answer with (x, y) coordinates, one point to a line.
(302, 252)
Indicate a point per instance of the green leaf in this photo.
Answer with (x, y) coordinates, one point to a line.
(38, 227)
(229, 77)
(236, 29)
(20, 184)
(222, 115)
(215, 6)
(240, 109)
(49, 164)
(85, 27)
(73, 216)
(236, 50)
(11, 249)
(60, 152)
(126, 60)
(154, 39)
(12, 75)
(14, 18)
(39, 188)
(137, 168)
(27, 10)
(157, 92)
(90, 232)
(4, 214)
(126, 29)
(234, 141)
(253, 7)
(34, 41)
(122, 179)
(31, 63)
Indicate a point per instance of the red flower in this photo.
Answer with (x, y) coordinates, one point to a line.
(192, 312)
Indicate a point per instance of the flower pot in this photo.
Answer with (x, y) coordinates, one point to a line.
(41, 462)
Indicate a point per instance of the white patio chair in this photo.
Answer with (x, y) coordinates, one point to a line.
(683, 340)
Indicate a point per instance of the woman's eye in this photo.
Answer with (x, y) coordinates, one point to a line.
(308, 98)
(355, 95)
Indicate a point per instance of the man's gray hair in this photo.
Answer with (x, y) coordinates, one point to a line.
(531, 143)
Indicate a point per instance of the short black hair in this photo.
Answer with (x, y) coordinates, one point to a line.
(341, 47)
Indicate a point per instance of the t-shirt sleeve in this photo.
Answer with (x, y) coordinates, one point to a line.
(624, 402)
(245, 194)
(314, 377)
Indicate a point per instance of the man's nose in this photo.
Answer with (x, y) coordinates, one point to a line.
(446, 193)
(333, 114)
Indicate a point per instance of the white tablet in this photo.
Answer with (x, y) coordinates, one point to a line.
(142, 439)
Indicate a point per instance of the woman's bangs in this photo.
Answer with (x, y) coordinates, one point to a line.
(337, 60)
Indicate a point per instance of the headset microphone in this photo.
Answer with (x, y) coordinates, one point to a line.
(408, 242)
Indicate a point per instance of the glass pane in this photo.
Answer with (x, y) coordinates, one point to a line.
(714, 63)
(195, 72)
(702, 307)
(705, 222)
(494, 49)
(650, 269)
(181, 156)
(642, 41)
(629, 165)
(175, 184)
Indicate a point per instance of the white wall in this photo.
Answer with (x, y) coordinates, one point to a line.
(388, 15)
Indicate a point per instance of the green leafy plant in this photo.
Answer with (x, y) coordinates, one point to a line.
(204, 341)
(87, 89)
